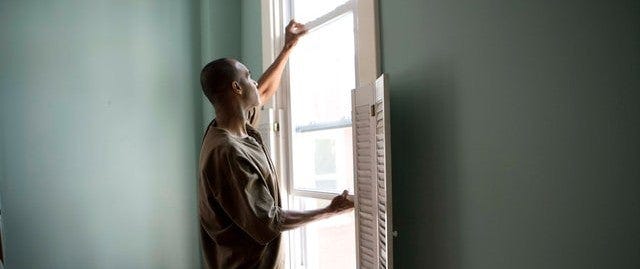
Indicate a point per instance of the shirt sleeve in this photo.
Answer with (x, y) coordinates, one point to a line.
(242, 193)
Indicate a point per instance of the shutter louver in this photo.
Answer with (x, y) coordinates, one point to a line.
(370, 116)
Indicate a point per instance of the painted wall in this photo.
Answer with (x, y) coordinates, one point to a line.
(516, 131)
(230, 29)
(99, 134)
(251, 37)
(220, 24)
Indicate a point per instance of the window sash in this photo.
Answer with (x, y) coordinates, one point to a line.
(275, 15)
(324, 126)
(324, 19)
(288, 130)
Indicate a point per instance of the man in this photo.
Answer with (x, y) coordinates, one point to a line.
(241, 219)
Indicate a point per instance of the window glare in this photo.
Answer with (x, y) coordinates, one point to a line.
(323, 160)
(329, 243)
(307, 10)
(323, 74)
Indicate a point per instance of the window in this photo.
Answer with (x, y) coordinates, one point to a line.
(314, 147)
(323, 244)
(321, 76)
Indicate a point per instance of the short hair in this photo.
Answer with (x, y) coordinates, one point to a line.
(215, 76)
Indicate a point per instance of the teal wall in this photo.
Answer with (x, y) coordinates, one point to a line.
(220, 24)
(231, 29)
(515, 132)
(251, 37)
(99, 136)
(102, 116)
(514, 128)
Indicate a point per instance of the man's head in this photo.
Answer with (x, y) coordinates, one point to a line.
(227, 83)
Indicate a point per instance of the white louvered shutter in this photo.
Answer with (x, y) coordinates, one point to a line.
(372, 162)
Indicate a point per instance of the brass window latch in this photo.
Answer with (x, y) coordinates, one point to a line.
(276, 127)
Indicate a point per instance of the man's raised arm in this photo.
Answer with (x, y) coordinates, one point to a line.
(270, 81)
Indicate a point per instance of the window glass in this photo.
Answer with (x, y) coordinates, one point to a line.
(322, 74)
(323, 244)
(325, 156)
(322, 160)
(306, 10)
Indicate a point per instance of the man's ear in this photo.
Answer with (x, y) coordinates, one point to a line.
(236, 87)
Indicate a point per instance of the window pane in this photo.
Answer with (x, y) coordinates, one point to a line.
(306, 10)
(322, 160)
(328, 243)
(322, 74)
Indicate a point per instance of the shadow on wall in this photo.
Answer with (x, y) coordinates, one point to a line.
(423, 112)
(1, 237)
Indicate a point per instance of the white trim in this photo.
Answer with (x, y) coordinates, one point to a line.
(316, 194)
(337, 12)
(274, 18)
(367, 47)
(271, 17)
(268, 35)
(275, 15)
(284, 104)
(365, 35)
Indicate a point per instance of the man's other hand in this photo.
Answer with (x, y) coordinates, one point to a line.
(293, 32)
(340, 203)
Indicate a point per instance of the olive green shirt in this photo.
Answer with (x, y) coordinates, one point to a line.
(239, 202)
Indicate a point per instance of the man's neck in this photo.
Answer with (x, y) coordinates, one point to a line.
(234, 122)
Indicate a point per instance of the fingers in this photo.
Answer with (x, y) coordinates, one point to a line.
(294, 23)
(342, 201)
(347, 205)
(295, 28)
(301, 28)
(350, 203)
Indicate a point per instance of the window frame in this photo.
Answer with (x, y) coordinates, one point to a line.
(275, 15)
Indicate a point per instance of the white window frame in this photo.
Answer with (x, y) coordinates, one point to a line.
(275, 16)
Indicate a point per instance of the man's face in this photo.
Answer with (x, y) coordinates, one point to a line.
(249, 87)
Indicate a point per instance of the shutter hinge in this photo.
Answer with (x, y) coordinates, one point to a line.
(395, 233)
(276, 127)
(373, 110)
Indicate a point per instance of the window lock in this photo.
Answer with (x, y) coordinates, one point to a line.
(276, 126)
